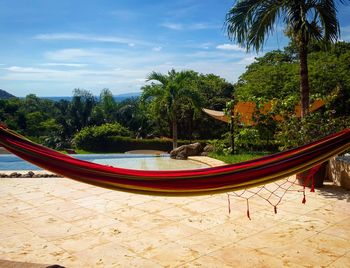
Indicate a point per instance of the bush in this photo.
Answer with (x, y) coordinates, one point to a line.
(118, 144)
(296, 132)
(89, 136)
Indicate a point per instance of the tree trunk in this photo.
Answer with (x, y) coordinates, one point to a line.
(174, 131)
(232, 136)
(304, 80)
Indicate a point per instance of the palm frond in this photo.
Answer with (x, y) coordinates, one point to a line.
(157, 77)
(327, 12)
(250, 21)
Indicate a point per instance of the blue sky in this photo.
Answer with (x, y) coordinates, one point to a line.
(51, 47)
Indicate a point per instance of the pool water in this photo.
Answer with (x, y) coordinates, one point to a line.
(131, 161)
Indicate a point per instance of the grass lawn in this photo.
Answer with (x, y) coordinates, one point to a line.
(240, 157)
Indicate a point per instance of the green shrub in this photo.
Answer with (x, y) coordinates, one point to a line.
(118, 144)
(88, 136)
(296, 132)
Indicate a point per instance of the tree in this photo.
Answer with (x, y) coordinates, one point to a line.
(170, 91)
(250, 21)
(80, 109)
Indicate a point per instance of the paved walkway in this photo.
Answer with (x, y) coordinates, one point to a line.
(60, 221)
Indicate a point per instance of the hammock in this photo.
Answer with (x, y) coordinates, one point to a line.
(181, 182)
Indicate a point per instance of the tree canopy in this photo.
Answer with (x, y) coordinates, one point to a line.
(249, 22)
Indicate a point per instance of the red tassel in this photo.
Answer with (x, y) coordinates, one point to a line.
(229, 204)
(248, 214)
(304, 196)
(304, 200)
(312, 190)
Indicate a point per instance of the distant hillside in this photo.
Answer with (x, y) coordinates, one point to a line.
(117, 98)
(125, 96)
(5, 95)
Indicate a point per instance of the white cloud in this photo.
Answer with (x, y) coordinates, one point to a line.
(247, 60)
(205, 45)
(231, 47)
(203, 26)
(195, 26)
(157, 49)
(90, 38)
(65, 64)
(70, 54)
(173, 26)
(18, 69)
(121, 69)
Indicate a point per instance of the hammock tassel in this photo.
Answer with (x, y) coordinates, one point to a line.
(304, 196)
(312, 190)
(229, 204)
(248, 214)
(275, 209)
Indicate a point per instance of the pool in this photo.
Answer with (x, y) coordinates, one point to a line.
(131, 161)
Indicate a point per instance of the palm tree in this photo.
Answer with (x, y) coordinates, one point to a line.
(170, 91)
(250, 21)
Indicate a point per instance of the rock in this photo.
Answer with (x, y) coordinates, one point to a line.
(204, 153)
(184, 151)
(208, 148)
(30, 174)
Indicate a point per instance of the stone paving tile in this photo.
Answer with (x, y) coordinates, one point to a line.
(328, 244)
(11, 229)
(78, 225)
(202, 206)
(118, 233)
(152, 206)
(238, 256)
(145, 241)
(13, 205)
(80, 241)
(329, 214)
(340, 229)
(151, 221)
(306, 256)
(207, 262)
(171, 254)
(105, 255)
(25, 214)
(127, 213)
(50, 227)
(342, 262)
(43, 253)
(95, 222)
(59, 207)
(205, 242)
(175, 231)
(75, 214)
(273, 240)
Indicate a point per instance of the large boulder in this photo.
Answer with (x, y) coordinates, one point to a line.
(185, 151)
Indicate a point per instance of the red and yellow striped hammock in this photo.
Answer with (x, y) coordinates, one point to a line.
(182, 182)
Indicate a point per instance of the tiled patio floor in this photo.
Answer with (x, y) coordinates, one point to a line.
(60, 221)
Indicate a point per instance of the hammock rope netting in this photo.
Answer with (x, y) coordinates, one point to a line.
(221, 179)
(272, 193)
